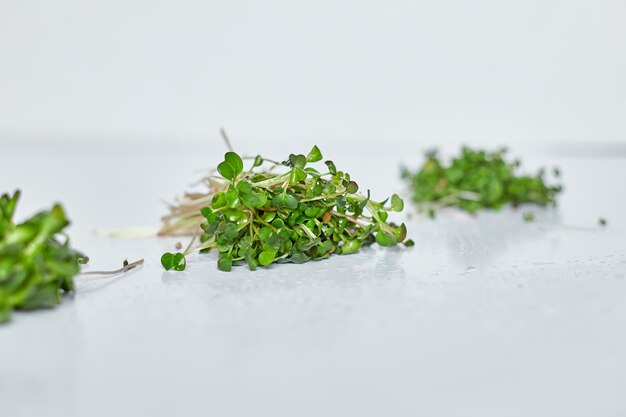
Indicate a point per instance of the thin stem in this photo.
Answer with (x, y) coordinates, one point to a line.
(308, 231)
(115, 272)
(191, 242)
(350, 219)
(207, 245)
(225, 137)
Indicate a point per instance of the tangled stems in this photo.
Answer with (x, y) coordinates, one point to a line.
(475, 180)
(259, 217)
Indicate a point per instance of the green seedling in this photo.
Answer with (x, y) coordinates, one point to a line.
(476, 180)
(37, 264)
(281, 212)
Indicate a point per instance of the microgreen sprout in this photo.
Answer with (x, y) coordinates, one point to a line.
(475, 180)
(259, 216)
(37, 264)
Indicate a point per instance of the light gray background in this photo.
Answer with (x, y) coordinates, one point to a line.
(110, 107)
(404, 72)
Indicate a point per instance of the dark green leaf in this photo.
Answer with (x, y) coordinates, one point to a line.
(234, 161)
(167, 260)
(331, 167)
(297, 161)
(298, 258)
(352, 187)
(244, 187)
(231, 167)
(226, 170)
(225, 262)
(179, 262)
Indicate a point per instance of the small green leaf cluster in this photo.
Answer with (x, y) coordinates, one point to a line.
(260, 217)
(477, 179)
(175, 261)
(36, 265)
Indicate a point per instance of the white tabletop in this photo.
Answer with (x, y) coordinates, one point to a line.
(486, 315)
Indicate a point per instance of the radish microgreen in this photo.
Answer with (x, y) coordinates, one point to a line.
(262, 216)
(475, 180)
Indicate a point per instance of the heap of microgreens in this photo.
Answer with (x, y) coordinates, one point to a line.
(37, 264)
(477, 179)
(260, 217)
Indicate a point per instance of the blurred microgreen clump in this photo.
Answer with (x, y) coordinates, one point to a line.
(477, 179)
(279, 212)
(37, 264)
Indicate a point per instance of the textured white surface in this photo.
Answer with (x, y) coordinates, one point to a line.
(485, 316)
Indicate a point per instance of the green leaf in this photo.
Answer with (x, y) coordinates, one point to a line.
(331, 167)
(268, 216)
(384, 239)
(231, 167)
(179, 262)
(252, 263)
(251, 200)
(324, 247)
(235, 161)
(226, 170)
(296, 176)
(352, 187)
(297, 161)
(396, 203)
(285, 201)
(266, 257)
(230, 231)
(340, 201)
(225, 262)
(315, 155)
(258, 161)
(298, 257)
(401, 232)
(312, 172)
(329, 188)
(306, 245)
(350, 246)
(262, 201)
(167, 260)
(265, 232)
(244, 187)
(219, 200)
(278, 223)
(206, 212)
(232, 197)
